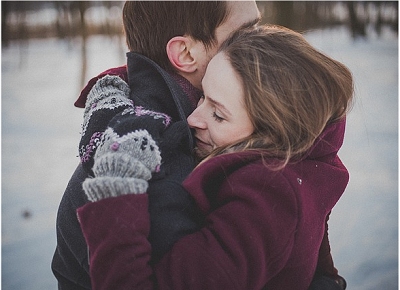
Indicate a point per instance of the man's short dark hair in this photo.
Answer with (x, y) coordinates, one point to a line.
(149, 25)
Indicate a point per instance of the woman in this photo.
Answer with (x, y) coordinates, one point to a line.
(271, 123)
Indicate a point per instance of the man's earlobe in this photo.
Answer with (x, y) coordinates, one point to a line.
(178, 51)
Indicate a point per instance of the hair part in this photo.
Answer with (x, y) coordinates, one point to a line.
(149, 25)
(292, 91)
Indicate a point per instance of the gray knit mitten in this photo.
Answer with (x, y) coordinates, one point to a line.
(122, 165)
(108, 97)
(109, 92)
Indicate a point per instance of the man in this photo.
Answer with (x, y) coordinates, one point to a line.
(181, 37)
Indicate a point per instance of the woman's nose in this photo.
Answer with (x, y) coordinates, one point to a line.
(195, 119)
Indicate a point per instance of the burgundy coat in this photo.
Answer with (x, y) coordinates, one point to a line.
(262, 228)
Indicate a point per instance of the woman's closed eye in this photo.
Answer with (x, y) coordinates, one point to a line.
(217, 117)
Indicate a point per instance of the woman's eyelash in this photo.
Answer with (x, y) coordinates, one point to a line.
(217, 118)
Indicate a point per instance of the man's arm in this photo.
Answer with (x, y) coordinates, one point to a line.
(70, 261)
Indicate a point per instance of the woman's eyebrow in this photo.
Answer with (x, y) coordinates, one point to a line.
(220, 106)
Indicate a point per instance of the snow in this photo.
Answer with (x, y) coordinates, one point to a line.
(40, 133)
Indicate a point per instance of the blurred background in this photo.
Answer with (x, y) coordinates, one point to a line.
(50, 49)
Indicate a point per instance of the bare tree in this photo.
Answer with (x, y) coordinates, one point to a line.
(357, 25)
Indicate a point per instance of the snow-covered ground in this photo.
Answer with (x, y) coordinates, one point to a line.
(40, 133)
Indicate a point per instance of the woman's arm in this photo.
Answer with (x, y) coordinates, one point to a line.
(241, 245)
(107, 97)
(119, 252)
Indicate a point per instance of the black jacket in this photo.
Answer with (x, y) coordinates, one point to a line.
(171, 209)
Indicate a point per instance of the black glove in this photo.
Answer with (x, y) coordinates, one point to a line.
(327, 283)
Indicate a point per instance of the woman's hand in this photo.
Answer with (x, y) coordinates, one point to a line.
(122, 165)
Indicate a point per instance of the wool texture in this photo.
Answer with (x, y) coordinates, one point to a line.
(108, 106)
(122, 165)
(108, 97)
(104, 187)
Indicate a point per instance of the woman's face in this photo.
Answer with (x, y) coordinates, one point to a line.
(220, 117)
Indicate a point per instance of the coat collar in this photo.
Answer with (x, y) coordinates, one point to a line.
(155, 89)
(329, 141)
(325, 149)
(193, 94)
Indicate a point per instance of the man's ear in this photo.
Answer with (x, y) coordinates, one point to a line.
(178, 51)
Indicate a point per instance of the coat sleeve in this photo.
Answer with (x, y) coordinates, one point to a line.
(70, 261)
(246, 240)
(116, 231)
